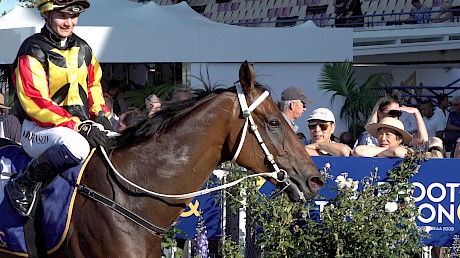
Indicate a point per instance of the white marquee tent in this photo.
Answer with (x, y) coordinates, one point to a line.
(123, 31)
(130, 32)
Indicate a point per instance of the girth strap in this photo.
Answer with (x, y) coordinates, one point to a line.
(102, 199)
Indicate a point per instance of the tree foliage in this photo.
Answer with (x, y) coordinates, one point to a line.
(339, 78)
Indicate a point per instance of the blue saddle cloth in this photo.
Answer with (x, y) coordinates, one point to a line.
(54, 215)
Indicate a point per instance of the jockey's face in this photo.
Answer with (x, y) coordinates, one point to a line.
(62, 23)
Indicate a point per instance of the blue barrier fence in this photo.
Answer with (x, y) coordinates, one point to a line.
(437, 195)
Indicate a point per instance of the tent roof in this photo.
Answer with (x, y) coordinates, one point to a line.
(20, 17)
(122, 31)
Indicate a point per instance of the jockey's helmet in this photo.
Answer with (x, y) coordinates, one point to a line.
(66, 6)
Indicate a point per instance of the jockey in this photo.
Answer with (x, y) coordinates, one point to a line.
(58, 90)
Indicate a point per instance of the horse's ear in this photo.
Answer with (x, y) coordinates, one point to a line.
(247, 77)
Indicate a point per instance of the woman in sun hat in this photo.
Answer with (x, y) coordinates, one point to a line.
(389, 106)
(390, 135)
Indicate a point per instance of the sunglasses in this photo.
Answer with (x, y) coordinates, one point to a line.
(322, 126)
(455, 104)
(394, 113)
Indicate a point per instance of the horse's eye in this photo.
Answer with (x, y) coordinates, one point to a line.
(274, 123)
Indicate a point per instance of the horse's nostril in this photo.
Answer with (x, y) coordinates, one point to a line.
(316, 181)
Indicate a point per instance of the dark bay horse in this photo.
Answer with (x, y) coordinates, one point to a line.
(174, 153)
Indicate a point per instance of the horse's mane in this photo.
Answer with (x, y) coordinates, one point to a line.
(171, 111)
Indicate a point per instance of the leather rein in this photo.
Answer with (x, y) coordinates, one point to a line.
(279, 175)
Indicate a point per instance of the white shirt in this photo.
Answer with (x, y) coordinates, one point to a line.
(434, 124)
(438, 111)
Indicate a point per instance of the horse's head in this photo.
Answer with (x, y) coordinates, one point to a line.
(288, 153)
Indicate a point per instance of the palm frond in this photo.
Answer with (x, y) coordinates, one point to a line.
(337, 78)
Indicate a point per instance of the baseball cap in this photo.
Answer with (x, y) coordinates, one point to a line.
(322, 114)
(294, 93)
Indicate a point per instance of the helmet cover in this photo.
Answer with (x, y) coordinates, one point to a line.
(66, 6)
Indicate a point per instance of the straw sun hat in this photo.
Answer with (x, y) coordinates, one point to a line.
(392, 123)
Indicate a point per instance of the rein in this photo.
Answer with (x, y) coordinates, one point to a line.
(280, 175)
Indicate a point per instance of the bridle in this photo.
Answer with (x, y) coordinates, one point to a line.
(280, 175)
(246, 112)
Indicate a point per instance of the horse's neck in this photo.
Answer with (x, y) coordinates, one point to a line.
(185, 153)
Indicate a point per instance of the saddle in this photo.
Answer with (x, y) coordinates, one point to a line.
(53, 213)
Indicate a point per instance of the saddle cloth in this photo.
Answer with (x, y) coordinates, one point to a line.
(54, 211)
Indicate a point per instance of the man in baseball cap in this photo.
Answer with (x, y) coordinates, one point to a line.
(321, 124)
(293, 104)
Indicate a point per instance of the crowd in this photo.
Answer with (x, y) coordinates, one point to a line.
(433, 128)
(348, 13)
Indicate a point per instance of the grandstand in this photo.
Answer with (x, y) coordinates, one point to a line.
(382, 40)
(282, 13)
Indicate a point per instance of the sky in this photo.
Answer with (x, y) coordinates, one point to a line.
(7, 5)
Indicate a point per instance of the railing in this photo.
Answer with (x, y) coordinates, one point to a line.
(449, 89)
(372, 20)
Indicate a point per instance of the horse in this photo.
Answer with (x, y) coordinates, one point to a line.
(174, 153)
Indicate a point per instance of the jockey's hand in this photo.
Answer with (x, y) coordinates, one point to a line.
(103, 120)
(93, 134)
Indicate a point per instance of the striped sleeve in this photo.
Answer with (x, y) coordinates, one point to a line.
(33, 94)
(95, 94)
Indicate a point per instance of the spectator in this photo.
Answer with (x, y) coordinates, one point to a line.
(153, 104)
(354, 14)
(10, 127)
(130, 118)
(390, 134)
(457, 149)
(434, 124)
(322, 125)
(452, 131)
(441, 109)
(339, 10)
(435, 148)
(119, 104)
(445, 14)
(293, 104)
(302, 138)
(346, 138)
(388, 106)
(113, 118)
(421, 13)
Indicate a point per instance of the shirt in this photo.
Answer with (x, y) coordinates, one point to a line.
(57, 85)
(444, 114)
(422, 15)
(291, 123)
(434, 124)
